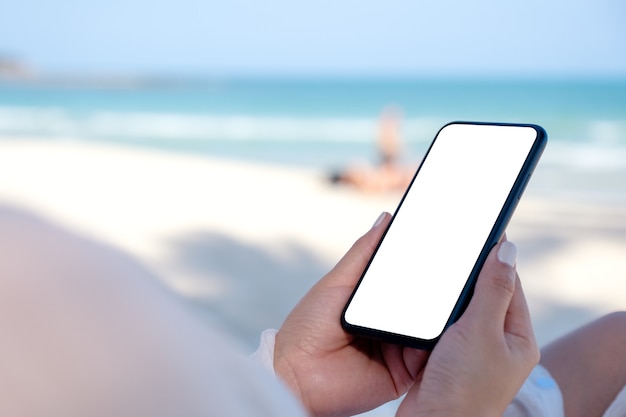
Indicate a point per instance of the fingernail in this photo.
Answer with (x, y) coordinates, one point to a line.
(507, 253)
(379, 220)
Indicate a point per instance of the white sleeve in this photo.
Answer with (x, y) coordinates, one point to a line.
(540, 396)
(264, 355)
(618, 407)
(242, 387)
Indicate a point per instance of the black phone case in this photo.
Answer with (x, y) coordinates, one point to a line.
(496, 233)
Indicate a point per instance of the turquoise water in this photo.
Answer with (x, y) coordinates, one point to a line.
(323, 123)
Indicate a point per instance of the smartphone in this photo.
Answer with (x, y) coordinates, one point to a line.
(422, 274)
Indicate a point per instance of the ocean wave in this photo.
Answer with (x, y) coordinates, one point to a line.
(160, 126)
(596, 156)
(587, 144)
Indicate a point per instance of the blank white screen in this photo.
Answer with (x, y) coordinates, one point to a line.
(422, 265)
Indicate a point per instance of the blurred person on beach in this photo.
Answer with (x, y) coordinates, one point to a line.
(86, 331)
(389, 174)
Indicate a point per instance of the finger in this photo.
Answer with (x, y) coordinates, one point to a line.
(494, 288)
(518, 321)
(351, 266)
(407, 361)
(409, 405)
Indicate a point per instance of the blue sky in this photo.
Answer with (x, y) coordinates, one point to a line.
(532, 38)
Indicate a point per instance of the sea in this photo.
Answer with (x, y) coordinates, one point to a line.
(326, 124)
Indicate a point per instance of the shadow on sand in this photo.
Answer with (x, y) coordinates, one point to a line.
(245, 287)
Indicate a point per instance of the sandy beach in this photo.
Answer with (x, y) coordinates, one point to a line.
(242, 242)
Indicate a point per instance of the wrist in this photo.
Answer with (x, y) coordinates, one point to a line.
(286, 373)
(266, 355)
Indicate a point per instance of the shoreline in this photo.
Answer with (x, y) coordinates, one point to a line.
(243, 241)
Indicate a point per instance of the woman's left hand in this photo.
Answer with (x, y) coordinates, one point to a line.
(332, 372)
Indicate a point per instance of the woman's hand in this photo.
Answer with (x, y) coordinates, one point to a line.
(482, 360)
(331, 371)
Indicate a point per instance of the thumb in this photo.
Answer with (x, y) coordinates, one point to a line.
(495, 287)
(349, 269)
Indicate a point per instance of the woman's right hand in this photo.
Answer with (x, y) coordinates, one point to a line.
(482, 360)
